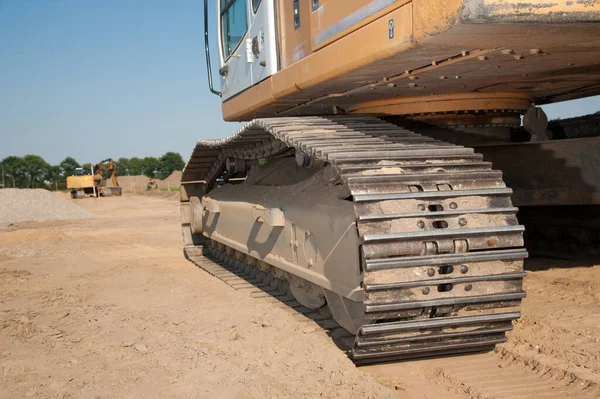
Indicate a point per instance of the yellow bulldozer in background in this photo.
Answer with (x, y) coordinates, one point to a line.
(83, 183)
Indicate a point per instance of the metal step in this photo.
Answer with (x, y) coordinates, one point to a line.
(425, 177)
(442, 233)
(456, 321)
(429, 349)
(444, 302)
(445, 259)
(434, 214)
(432, 194)
(455, 280)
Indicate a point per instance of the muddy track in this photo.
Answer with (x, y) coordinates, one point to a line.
(438, 233)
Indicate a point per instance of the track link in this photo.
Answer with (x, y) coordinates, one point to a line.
(439, 234)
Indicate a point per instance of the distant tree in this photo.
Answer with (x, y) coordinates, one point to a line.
(170, 162)
(67, 167)
(37, 170)
(597, 112)
(122, 165)
(15, 172)
(55, 179)
(32, 171)
(135, 166)
(150, 166)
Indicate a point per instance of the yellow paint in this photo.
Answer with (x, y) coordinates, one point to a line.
(352, 61)
(78, 182)
(332, 12)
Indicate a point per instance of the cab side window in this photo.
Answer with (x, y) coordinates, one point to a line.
(255, 4)
(234, 23)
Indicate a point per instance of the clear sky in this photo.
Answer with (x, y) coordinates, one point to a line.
(114, 78)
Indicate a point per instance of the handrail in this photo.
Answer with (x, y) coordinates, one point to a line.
(206, 47)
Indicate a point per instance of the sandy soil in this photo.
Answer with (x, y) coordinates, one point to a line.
(108, 307)
(139, 183)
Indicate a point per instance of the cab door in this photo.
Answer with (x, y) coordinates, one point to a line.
(247, 43)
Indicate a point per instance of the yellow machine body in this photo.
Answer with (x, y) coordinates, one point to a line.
(80, 182)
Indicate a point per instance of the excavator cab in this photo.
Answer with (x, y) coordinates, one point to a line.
(247, 47)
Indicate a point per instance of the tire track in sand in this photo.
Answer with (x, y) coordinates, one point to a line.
(487, 375)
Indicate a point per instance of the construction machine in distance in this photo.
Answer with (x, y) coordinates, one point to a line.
(84, 184)
(362, 181)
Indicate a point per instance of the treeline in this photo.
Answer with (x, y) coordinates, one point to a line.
(32, 171)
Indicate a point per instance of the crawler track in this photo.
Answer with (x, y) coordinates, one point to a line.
(441, 246)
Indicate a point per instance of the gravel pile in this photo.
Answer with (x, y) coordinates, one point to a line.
(36, 205)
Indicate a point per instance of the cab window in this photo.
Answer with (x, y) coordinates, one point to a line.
(255, 4)
(234, 24)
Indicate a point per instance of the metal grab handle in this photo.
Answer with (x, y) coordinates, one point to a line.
(206, 47)
(271, 216)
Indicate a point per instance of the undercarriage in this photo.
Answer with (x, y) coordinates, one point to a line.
(411, 242)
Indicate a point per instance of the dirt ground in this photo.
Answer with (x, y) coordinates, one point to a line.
(108, 307)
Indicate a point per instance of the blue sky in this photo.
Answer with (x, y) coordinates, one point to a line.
(106, 78)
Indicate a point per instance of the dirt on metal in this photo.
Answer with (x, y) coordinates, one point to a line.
(109, 307)
(405, 303)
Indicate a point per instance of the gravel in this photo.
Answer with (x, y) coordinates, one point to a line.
(36, 205)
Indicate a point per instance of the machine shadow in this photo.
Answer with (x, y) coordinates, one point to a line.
(278, 292)
(263, 248)
(539, 263)
(556, 185)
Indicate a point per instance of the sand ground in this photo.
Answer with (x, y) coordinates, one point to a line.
(109, 308)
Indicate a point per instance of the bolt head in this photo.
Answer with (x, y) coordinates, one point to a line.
(421, 224)
(430, 272)
(453, 205)
(425, 291)
(421, 207)
(464, 269)
(462, 221)
(468, 287)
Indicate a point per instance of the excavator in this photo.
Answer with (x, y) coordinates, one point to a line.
(83, 184)
(388, 144)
